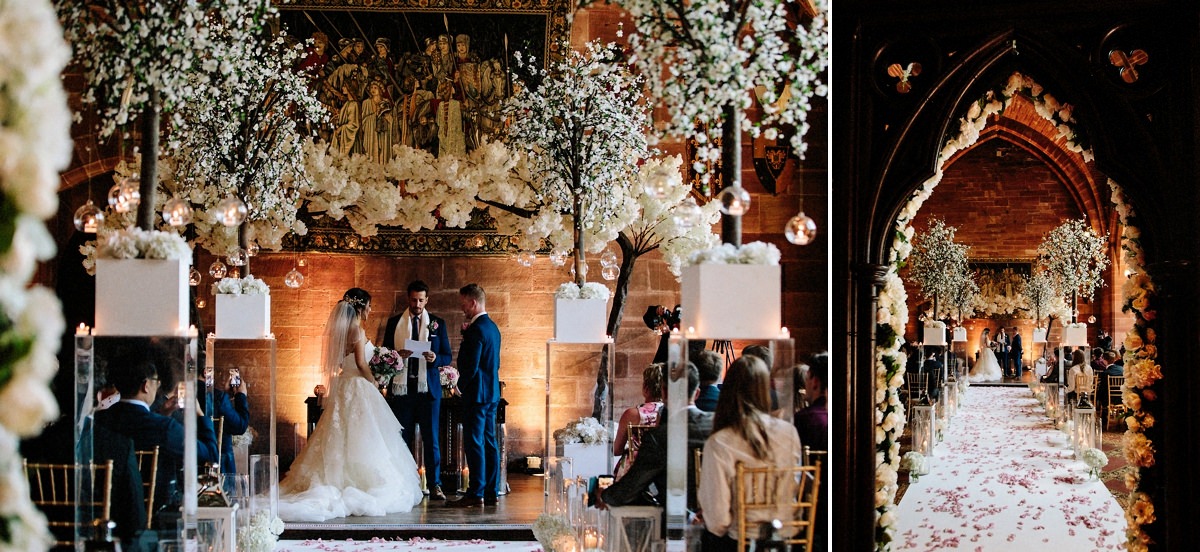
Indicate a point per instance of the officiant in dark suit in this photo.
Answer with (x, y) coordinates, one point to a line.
(415, 393)
(479, 381)
(1015, 352)
(1002, 350)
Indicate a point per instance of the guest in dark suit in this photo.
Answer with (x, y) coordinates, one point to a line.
(232, 404)
(650, 466)
(1016, 352)
(137, 379)
(1003, 348)
(710, 365)
(415, 395)
(933, 366)
(479, 382)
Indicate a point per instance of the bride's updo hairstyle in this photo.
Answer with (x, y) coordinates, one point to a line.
(358, 298)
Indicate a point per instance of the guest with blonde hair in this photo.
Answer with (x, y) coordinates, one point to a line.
(744, 432)
(645, 413)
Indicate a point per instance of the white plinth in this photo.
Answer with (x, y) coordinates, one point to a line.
(1075, 335)
(580, 320)
(960, 334)
(587, 460)
(243, 316)
(1039, 335)
(934, 335)
(723, 301)
(141, 296)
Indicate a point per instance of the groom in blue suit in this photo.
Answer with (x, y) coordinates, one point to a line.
(416, 395)
(479, 381)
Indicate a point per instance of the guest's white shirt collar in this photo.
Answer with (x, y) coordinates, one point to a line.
(476, 317)
(137, 402)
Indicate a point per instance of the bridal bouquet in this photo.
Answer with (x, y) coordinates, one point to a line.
(385, 363)
(448, 375)
(588, 431)
(589, 290)
(242, 286)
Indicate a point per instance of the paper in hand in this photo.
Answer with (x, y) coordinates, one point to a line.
(417, 347)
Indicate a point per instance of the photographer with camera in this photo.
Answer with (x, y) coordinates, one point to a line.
(662, 320)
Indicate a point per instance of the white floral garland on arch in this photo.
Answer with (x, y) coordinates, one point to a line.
(892, 315)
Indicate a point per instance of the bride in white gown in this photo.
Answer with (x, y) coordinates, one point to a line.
(355, 463)
(987, 368)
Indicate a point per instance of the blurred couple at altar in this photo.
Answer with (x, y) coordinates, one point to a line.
(357, 462)
(999, 357)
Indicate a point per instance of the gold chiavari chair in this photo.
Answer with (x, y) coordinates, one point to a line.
(791, 489)
(148, 465)
(51, 490)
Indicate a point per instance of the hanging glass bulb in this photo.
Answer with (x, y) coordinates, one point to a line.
(194, 277)
(526, 258)
(1091, 320)
(201, 303)
(610, 272)
(608, 257)
(253, 249)
(293, 279)
(217, 270)
(125, 196)
(558, 256)
(231, 211)
(302, 261)
(237, 257)
(735, 201)
(688, 214)
(177, 212)
(659, 182)
(572, 271)
(801, 229)
(88, 218)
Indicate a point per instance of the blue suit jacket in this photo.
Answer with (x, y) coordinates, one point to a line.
(237, 420)
(479, 362)
(439, 341)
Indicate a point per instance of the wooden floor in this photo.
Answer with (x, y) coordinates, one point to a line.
(510, 519)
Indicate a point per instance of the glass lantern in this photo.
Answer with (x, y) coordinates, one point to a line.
(923, 431)
(1087, 429)
(950, 397)
(1052, 407)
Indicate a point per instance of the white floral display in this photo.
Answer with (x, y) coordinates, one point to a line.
(1042, 297)
(246, 139)
(242, 286)
(135, 243)
(587, 430)
(582, 129)
(721, 55)
(962, 297)
(551, 531)
(1075, 256)
(590, 290)
(130, 51)
(892, 312)
(753, 253)
(35, 144)
(1142, 373)
(261, 534)
(937, 264)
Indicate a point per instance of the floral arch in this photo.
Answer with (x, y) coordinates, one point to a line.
(1142, 370)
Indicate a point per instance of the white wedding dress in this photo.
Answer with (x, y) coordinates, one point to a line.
(355, 463)
(987, 368)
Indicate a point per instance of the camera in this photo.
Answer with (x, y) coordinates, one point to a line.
(660, 318)
(235, 377)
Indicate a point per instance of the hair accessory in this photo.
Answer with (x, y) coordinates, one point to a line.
(358, 302)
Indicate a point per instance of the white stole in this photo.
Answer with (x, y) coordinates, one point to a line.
(404, 331)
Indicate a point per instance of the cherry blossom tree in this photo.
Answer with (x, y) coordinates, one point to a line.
(1075, 257)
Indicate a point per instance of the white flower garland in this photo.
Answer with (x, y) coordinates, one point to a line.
(35, 144)
(892, 312)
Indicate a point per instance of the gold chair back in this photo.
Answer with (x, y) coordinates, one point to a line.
(635, 437)
(915, 385)
(813, 456)
(148, 465)
(219, 428)
(1116, 406)
(772, 489)
(51, 490)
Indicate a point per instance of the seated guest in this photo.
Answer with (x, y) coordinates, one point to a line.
(709, 364)
(1116, 364)
(1051, 375)
(812, 423)
(642, 414)
(1077, 370)
(1098, 362)
(137, 380)
(232, 404)
(762, 352)
(933, 368)
(742, 432)
(1111, 368)
(646, 481)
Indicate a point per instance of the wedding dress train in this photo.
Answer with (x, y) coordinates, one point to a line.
(987, 368)
(355, 463)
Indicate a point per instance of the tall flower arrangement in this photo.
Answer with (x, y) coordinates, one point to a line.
(246, 140)
(582, 129)
(937, 263)
(35, 127)
(962, 295)
(1043, 297)
(139, 58)
(719, 53)
(1142, 374)
(1074, 256)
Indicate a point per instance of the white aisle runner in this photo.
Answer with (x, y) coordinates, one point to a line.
(1004, 479)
